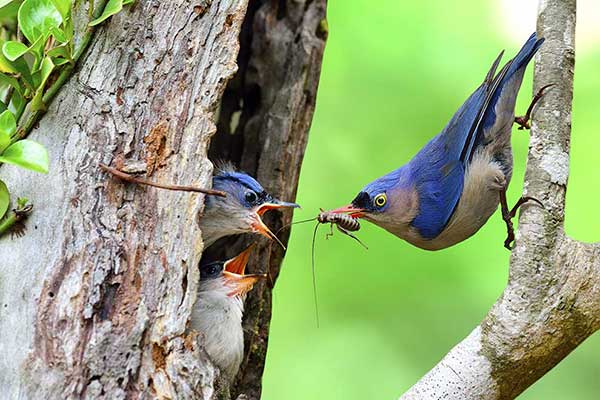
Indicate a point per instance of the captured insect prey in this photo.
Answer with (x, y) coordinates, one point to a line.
(344, 222)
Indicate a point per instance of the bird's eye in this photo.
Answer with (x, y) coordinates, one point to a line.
(380, 200)
(210, 271)
(250, 197)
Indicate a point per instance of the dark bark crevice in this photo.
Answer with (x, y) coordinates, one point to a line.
(263, 125)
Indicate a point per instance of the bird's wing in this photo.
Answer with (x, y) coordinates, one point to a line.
(438, 169)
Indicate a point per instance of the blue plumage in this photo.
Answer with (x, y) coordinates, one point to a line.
(248, 191)
(424, 200)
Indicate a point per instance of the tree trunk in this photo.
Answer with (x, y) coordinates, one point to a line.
(552, 299)
(96, 296)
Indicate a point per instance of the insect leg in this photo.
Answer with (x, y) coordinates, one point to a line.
(346, 232)
(330, 234)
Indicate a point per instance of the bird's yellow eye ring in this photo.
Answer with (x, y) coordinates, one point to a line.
(380, 200)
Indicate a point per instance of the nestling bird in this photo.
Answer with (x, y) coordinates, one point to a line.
(240, 211)
(219, 308)
(454, 184)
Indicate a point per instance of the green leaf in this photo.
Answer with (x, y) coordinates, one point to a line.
(5, 64)
(58, 61)
(59, 35)
(12, 53)
(13, 50)
(10, 8)
(42, 75)
(27, 154)
(111, 8)
(37, 18)
(17, 103)
(4, 199)
(22, 68)
(8, 126)
(68, 28)
(63, 7)
(59, 51)
(9, 80)
(4, 140)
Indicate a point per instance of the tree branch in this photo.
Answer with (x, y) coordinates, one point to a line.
(550, 303)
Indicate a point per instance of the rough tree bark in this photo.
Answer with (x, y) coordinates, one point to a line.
(552, 299)
(95, 298)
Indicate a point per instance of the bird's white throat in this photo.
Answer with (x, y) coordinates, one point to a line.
(218, 317)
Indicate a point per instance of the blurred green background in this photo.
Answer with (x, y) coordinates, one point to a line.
(394, 72)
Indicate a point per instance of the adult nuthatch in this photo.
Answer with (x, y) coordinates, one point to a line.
(454, 184)
(219, 309)
(240, 211)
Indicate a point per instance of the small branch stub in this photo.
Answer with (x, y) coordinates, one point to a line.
(132, 179)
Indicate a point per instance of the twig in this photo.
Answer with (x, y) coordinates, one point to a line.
(132, 179)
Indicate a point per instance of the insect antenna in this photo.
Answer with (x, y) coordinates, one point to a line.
(275, 238)
(294, 223)
(314, 275)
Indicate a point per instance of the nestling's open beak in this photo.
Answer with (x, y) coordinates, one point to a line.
(273, 205)
(237, 265)
(234, 274)
(241, 284)
(350, 210)
(258, 226)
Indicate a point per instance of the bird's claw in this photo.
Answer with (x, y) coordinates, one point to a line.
(508, 243)
(523, 120)
(507, 216)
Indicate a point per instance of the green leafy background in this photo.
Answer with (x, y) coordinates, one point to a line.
(393, 74)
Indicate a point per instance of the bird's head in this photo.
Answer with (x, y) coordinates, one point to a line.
(386, 200)
(242, 209)
(227, 278)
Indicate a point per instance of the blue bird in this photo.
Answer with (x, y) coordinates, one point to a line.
(241, 210)
(455, 183)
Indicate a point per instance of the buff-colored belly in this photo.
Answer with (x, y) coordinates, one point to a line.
(479, 200)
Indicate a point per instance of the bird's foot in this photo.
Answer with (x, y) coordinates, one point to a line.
(508, 215)
(523, 120)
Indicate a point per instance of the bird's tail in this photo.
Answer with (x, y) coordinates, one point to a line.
(499, 110)
(524, 55)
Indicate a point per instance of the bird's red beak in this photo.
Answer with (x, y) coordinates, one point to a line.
(350, 210)
(234, 274)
